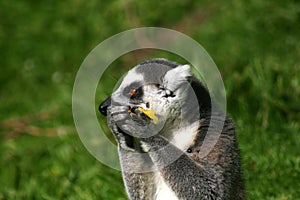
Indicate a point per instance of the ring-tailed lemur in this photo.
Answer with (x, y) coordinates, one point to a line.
(160, 115)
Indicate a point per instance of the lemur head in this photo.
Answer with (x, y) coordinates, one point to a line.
(154, 96)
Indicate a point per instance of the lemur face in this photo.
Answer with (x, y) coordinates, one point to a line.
(149, 96)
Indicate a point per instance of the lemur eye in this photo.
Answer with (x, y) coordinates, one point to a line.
(136, 93)
(132, 92)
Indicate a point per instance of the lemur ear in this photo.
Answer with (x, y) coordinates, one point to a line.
(174, 78)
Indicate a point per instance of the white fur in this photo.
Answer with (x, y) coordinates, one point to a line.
(163, 191)
(184, 136)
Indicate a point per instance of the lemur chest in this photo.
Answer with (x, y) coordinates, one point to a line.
(163, 191)
(184, 136)
(182, 139)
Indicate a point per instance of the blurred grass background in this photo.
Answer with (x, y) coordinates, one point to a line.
(255, 44)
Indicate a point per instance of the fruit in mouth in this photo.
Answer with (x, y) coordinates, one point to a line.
(150, 113)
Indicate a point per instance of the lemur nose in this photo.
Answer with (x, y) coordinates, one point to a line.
(103, 106)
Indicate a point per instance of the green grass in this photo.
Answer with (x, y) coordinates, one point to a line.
(255, 44)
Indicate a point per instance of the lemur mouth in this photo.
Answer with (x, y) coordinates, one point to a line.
(144, 114)
(142, 117)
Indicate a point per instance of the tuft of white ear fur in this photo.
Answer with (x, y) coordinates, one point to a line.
(174, 78)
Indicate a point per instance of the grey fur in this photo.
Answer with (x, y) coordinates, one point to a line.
(217, 176)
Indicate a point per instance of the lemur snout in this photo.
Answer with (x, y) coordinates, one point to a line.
(103, 106)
